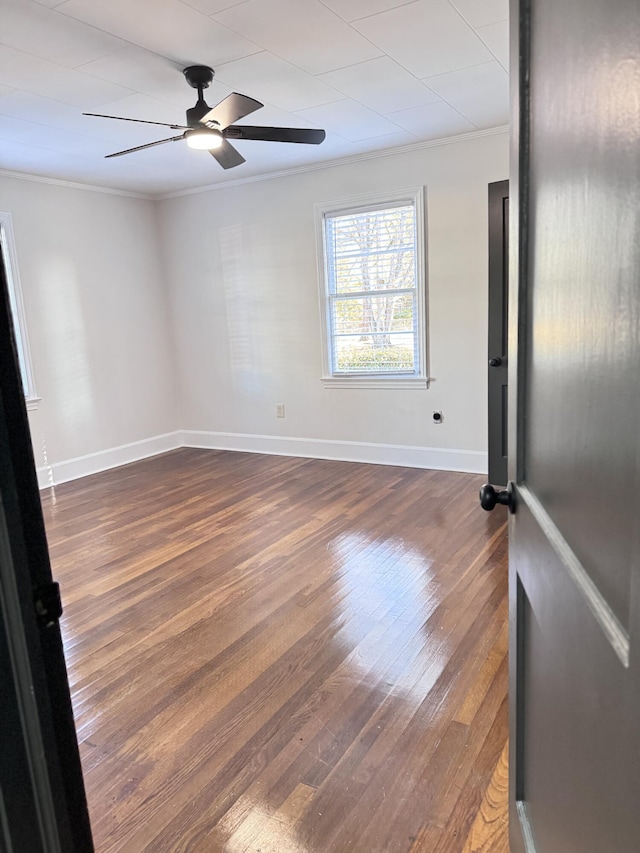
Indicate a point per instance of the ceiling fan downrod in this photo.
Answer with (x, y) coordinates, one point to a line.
(199, 77)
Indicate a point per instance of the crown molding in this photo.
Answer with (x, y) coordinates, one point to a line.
(342, 161)
(74, 185)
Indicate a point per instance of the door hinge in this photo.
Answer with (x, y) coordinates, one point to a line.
(48, 604)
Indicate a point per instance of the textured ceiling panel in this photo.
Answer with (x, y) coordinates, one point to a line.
(146, 72)
(167, 27)
(351, 10)
(302, 31)
(43, 32)
(271, 79)
(479, 93)
(479, 13)
(432, 121)
(496, 37)
(350, 119)
(427, 37)
(26, 72)
(382, 85)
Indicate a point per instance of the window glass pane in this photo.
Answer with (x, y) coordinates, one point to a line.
(371, 250)
(384, 271)
(373, 314)
(374, 354)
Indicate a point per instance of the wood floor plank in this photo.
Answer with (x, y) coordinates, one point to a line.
(285, 655)
(488, 831)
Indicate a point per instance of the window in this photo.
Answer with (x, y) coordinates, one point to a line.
(373, 290)
(7, 247)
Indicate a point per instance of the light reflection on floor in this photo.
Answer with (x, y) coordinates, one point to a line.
(381, 584)
(384, 583)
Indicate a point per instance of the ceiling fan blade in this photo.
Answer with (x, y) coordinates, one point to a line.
(276, 134)
(148, 145)
(227, 155)
(140, 121)
(232, 108)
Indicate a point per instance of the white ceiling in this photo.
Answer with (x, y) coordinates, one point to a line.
(375, 74)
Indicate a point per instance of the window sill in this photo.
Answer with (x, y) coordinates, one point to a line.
(396, 383)
(32, 403)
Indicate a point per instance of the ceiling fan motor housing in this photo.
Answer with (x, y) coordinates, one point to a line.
(196, 113)
(199, 76)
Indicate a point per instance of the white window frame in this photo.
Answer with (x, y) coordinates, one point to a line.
(395, 198)
(8, 247)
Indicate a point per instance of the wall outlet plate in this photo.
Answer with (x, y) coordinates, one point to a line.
(279, 410)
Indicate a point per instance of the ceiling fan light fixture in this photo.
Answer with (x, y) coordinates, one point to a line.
(203, 140)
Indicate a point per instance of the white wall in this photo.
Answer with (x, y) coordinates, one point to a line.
(243, 286)
(96, 313)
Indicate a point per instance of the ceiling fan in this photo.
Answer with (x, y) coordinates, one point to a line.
(211, 128)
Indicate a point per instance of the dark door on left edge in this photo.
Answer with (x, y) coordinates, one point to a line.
(498, 329)
(43, 807)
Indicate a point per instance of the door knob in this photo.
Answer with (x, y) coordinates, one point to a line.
(495, 362)
(489, 497)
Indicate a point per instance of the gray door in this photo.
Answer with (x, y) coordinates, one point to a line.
(575, 427)
(498, 332)
(42, 799)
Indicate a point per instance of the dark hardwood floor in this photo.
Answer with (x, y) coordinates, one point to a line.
(279, 655)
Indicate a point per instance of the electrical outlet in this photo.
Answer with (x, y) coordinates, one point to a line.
(279, 410)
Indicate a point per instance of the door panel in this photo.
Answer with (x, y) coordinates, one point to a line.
(577, 780)
(498, 331)
(582, 422)
(575, 427)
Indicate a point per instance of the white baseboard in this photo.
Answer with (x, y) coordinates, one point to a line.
(471, 461)
(92, 463)
(406, 456)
